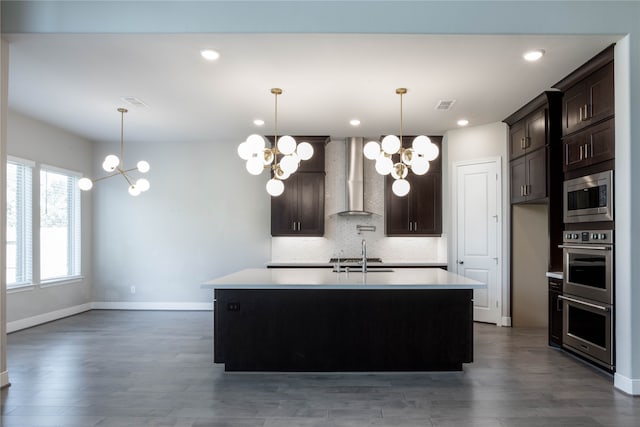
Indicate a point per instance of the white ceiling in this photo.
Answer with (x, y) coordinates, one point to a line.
(76, 82)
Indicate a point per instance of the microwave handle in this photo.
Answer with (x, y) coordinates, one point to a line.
(599, 248)
(599, 307)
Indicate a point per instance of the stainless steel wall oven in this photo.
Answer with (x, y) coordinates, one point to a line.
(588, 295)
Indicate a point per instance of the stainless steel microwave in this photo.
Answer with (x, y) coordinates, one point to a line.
(589, 198)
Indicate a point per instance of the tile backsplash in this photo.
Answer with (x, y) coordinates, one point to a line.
(341, 233)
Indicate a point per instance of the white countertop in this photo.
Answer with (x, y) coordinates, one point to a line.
(324, 278)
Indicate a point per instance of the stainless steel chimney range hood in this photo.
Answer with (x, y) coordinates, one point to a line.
(354, 194)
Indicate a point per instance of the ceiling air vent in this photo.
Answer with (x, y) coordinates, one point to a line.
(444, 105)
(132, 100)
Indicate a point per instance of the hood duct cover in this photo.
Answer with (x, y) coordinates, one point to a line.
(354, 194)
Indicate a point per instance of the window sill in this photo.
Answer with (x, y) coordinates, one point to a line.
(61, 281)
(20, 288)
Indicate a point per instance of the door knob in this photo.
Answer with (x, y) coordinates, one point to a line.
(460, 262)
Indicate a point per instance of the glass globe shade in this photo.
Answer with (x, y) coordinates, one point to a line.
(85, 184)
(110, 163)
(267, 156)
(245, 150)
(143, 184)
(275, 187)
(432, 152)
(289, 163)
(420, 165)
(400, 187)
(133, 190)
(143, 167)
(407, 156)
(286, 144)
(390, 144)
(384, 165)
(304, 151)
(371, 150)
(420, 144)
(255, 166)
(256, 143)
(399, 171)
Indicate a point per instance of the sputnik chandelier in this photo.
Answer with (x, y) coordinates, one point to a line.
(416, 158)
(115, 165)
(282, 158)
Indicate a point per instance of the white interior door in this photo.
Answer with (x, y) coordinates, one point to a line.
(478, 224)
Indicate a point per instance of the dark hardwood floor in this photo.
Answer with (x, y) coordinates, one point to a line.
(127, 368)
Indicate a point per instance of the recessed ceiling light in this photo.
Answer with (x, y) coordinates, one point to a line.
(463, 122)
(258, 122)
(209, 55)
(533, 55)
(354, 122)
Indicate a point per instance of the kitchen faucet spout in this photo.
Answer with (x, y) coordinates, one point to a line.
(364, 256)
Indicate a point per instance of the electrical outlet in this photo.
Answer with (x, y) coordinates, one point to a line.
(133, 289)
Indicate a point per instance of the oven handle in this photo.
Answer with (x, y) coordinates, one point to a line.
(588, 304)
(599, 248)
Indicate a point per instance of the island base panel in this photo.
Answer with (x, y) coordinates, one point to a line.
(343, 330)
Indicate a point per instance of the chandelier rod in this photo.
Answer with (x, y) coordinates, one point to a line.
(276, 91)
(122, 111)
(401, 91)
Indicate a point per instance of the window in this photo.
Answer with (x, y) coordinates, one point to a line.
(59, 224)
(19, 223)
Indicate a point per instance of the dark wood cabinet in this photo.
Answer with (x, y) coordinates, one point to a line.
(419, 213)
(534, 147)
(528, 177)
(593, 145)
(555, 312)
(299, 210)
(528, 134)
(589, 100)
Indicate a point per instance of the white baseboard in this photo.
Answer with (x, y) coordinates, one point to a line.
(29, 322)
(506, 321)
(176, 306)
(4, 379)
(627, 385)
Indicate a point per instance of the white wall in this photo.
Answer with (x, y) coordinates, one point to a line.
(340, 231)
(34, 140)
(476, 143)
(203, 217)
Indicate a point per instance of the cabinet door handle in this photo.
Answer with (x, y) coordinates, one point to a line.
(586, 151)
(523, 143)
(298, 225)
(581, 152)
(410, 226)
(581, 119)
(415, 226)
(527, 141)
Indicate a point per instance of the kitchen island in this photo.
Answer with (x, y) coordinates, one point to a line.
(295, 320)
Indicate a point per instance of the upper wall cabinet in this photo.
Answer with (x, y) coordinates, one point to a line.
(534, 146)
(528, 134)
(588, 101)
(588, 112)
(419, 213)
(299, 210)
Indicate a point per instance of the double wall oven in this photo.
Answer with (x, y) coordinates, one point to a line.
(588, 295)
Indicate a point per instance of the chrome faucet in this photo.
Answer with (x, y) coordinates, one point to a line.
(364, 256)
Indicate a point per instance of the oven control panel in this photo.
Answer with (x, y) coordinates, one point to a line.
(588, 236)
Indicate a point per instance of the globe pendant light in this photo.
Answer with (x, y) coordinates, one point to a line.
(416, 158)
(283, 157)
(115, 165)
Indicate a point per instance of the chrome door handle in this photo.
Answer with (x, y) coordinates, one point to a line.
(588, 304)
(597, 248)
